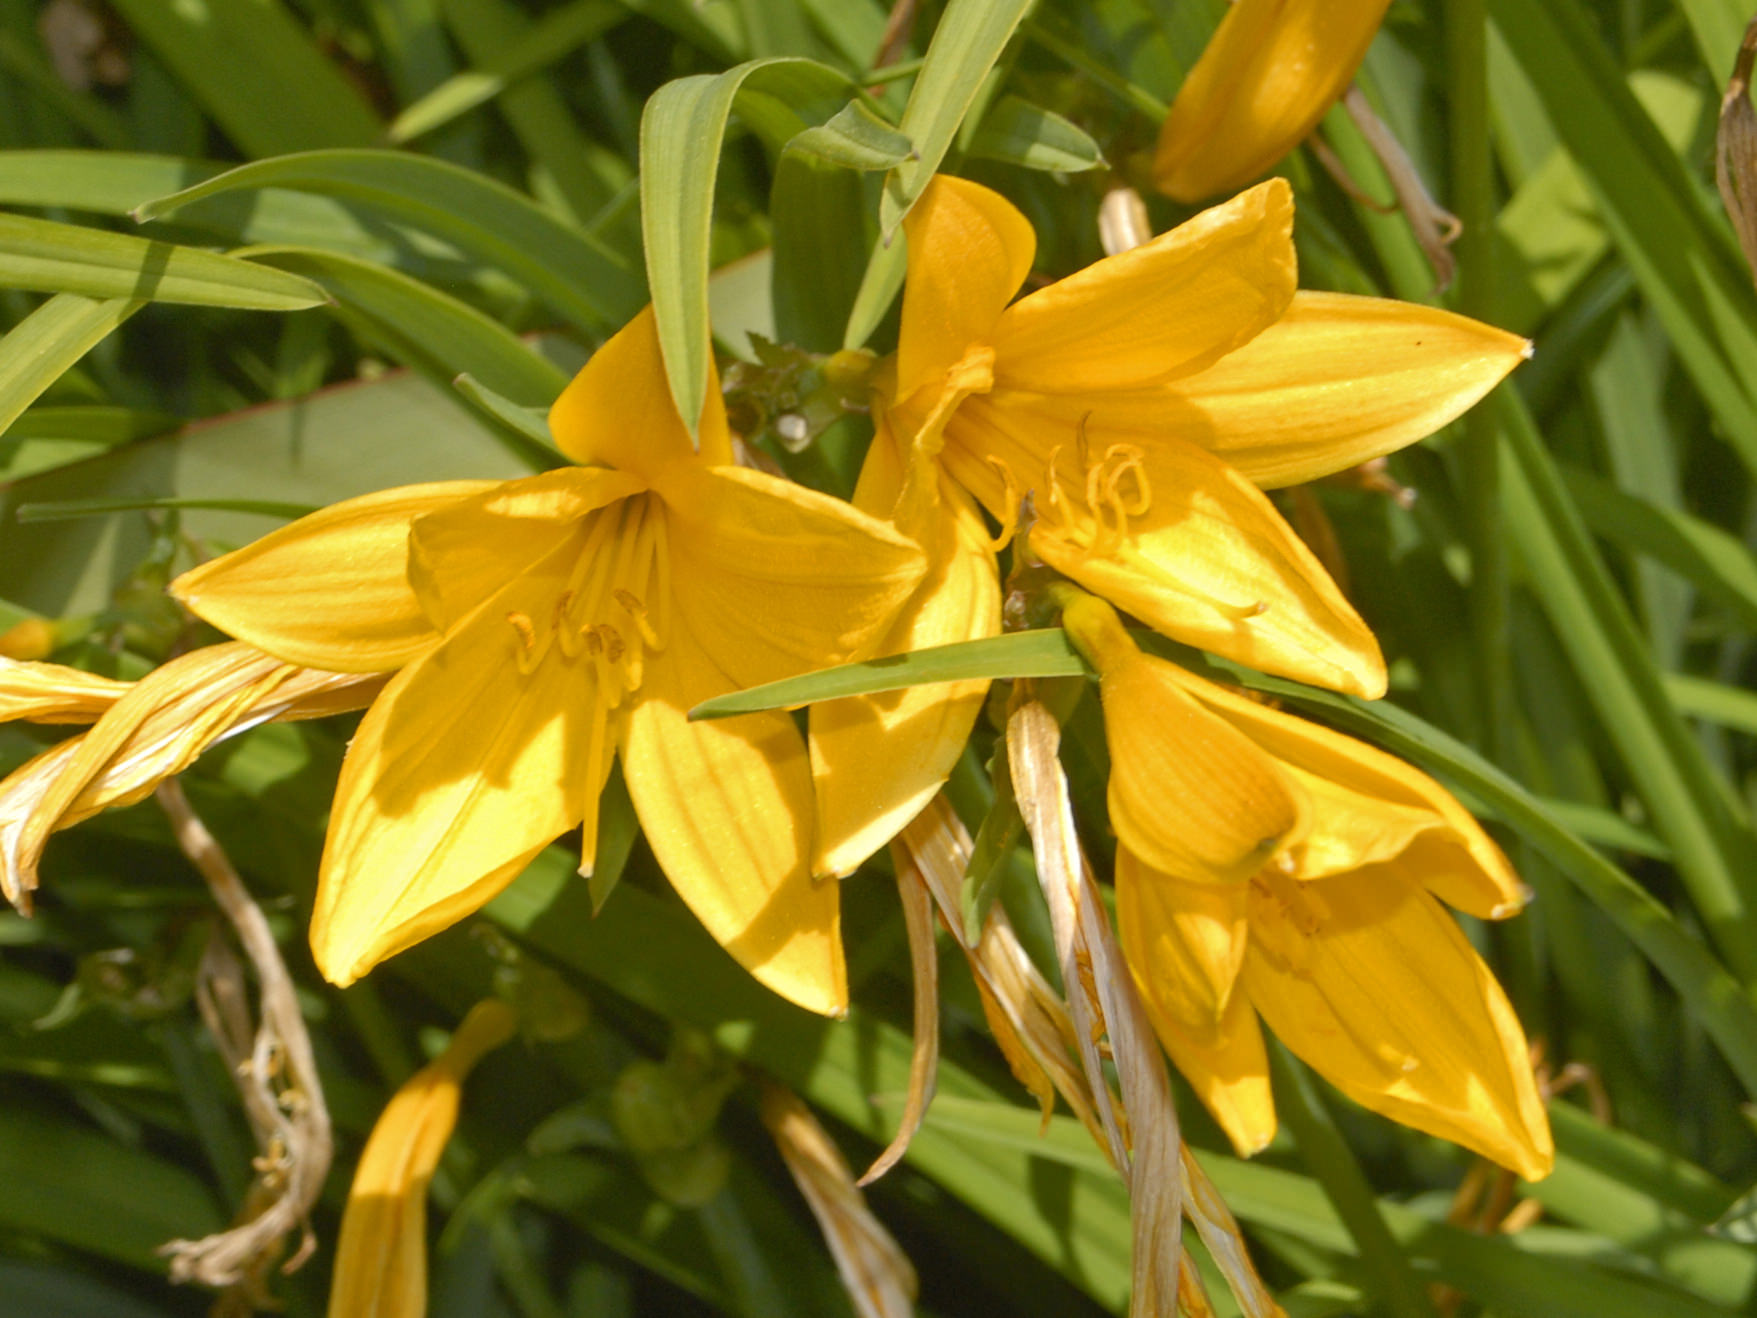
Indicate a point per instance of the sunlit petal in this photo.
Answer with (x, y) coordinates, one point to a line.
(463, 770)
(1192, 935)
(1371, 807)
(1338, 380)
(1185, 544)
(1375, 986)
(1224, 1061)
(50, 693)
(330, 590)
(877, 760)
(969, 250)
(775, 579)
(726, 805)
(462, 554)
(617, 412)
(381, 1257)
(1165, 309)
(1268, 75)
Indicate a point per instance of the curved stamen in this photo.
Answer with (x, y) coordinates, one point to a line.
(1010, 497)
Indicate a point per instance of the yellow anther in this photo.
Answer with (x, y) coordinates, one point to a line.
(614, 646)
(528, 654)
(1010, 497)
(638, 612)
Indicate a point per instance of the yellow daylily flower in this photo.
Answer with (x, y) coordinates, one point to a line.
(541, 626)
(1271, 70)
(1305, 889)
(381, 1258)
(1145, 402)
(142, 733)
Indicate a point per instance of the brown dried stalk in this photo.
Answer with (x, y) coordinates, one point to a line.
(276, 1075)
(1735, 149)
(1435, 227)
(924, 1060)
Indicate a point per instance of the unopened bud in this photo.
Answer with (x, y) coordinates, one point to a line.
(34, 638)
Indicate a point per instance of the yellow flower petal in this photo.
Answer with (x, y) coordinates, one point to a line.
(50, 693)
(1165, 309)
(463, 770)
(1192, 937)
(1224, 1061)
(726, 806)
(776, 580)
(462, 554)
(877, 760)
(617, 412)
(1375, 986)
(1185, 544)
(381, 1257)
(1189, 795)
(1268, 75)
(969, 250)
(330, 590)
(1338, 380)
(156, 728)
(1370, 807)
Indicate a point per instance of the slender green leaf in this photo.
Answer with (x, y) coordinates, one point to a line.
(69, 258)
(72, 509)
(854, 138)
(681, 133)
(1019, 133)
(965, 46)
(257, 72)
(556, 34)
(581, 279)
(40, 348)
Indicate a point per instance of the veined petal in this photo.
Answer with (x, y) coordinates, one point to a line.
(1375, 986)
(1165, 309)
(381, 1257)
(618, 412)
(463, 770)
(51, 693)
(330, 590)
(1186, 544)
(1192, 937)
(1189, 795)
(1337, 381)
(877, 760)
(1373, 807)
(462, 554)
(775, 579)
(726, 806)
(1225, 1063)
(1270, 71)
(969, 250)
(157, 728)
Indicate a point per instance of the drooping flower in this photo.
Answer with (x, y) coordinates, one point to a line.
(1145, 402)
(1271, 70)
(381, 1258)
(542, 626)
(142, 733)
(1271, 868)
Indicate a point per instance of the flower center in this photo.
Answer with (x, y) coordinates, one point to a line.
(614, 609)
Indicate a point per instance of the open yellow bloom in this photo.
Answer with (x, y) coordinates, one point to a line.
(381, 1258)
(142, 733)
(1271, 70)
(1145, 402)
(542, 626)
(1269, 867)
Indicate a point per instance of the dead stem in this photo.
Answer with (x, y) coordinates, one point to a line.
(275, 1072)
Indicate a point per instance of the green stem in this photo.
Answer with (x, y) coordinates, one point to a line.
(1332, 1163)
(1474, 203)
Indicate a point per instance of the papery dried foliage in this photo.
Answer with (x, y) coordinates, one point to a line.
(878, 1276)
(1142, 1130)
(1435, 227)
(277, 1079)
(924, 1060)
(152, 730)
(1735, 149)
